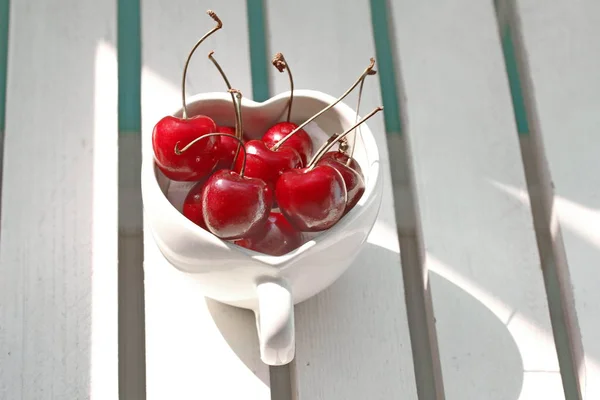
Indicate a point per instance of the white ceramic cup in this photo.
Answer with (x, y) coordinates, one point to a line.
(268, 285)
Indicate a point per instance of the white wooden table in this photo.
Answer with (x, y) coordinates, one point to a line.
(479, 280)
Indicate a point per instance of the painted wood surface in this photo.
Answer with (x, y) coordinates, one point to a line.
(493, 324)
(195, 347)
(58, 250)
(563, 59)
(61, 236)
(352, 339)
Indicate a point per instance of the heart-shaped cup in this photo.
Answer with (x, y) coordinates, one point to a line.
(268, 285)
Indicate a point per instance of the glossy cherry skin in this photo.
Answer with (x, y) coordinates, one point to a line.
(227, 147)
(300, 141)
(312, 200)
(266, 164)
(343, 158)
(355, 184)
(196, 162)
(278, 237)
(192, 205)
(234, 206)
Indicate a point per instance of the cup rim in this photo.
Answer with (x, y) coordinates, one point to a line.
(150, 184)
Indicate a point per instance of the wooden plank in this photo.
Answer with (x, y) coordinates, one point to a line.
(561, 60)
(195, 347)
(352, 340)
(58, 250)
(494, 331)
(132, 333)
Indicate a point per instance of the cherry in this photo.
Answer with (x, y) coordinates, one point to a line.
(351, 172)
(235, 206)
(260, 161)
(278, 237)
(343, 158)
(368, 71)
(170, 130)
(312, 199)
(232, 205)
(355, 184)
(315, 198)
(195, 164)
(266, 164)
(227, 148)
(192, 205)
(301, 141)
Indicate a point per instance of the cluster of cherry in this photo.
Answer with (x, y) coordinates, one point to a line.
(259, 194)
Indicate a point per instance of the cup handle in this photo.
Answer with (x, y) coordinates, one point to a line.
(275, 323)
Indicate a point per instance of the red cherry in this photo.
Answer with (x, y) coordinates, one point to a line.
(355, 184)
(192, 205)
(171, 133)
(343, 158)
(227, 147)
(266, 164)
(197, 161)
(235, 206)
(226, 129)
(277, 238)
(312, 199)
(299, 141)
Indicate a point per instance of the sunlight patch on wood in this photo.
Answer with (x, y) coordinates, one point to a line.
(104, 355)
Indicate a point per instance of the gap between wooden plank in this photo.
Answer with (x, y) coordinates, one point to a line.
(4, 28)
(132, 352)
(555, 268)
(257, 26)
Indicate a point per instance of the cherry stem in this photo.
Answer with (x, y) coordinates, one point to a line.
(179, 152)
(368, 71)
(210, 56)
(238, 123)
(336, 138)
(360, 90)
(281, 64)
(219, 25)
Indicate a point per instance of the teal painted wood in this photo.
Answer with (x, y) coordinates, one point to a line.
(258, 50)
(385, 66)
(129, 56)
(514, 80)
(515, 83)
(4, 10)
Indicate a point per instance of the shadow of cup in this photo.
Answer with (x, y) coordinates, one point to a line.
(480, 358)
